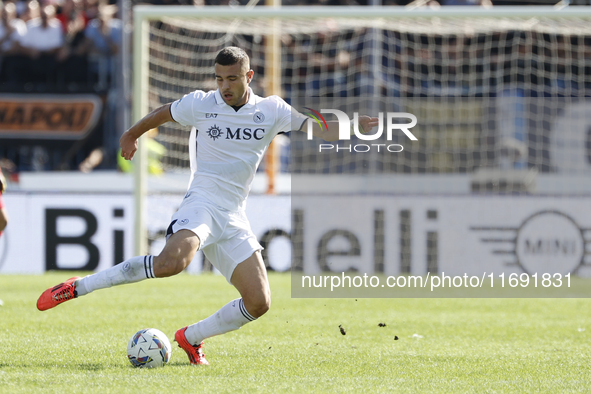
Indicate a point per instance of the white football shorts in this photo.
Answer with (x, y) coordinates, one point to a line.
(225, 236)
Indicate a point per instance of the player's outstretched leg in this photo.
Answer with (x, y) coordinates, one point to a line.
(250, 278)
(130, 271)
(175, 257)
(56, 295)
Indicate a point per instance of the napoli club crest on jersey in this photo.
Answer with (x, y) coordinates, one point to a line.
(214, 132)
(258, 117)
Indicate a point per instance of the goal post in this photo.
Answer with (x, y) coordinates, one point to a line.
(140, 108)
(447, 66)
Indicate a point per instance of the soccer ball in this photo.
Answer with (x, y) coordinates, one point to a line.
(149, 348)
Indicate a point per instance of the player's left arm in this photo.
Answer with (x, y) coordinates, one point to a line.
(366, 123)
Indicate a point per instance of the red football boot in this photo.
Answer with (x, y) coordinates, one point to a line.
(56, 295)
(195, 353)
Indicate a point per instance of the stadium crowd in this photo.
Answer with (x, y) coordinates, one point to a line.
(51, 46)
(59, 47)
(75, 46)
(59, 44)
(418, 3)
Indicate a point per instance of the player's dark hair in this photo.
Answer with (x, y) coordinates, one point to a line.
(232, 55)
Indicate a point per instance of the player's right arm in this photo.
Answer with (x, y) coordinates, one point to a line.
(128, 140)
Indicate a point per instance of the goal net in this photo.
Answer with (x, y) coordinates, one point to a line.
(499, 95)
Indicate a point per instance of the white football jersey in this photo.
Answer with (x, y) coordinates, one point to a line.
(226, 146)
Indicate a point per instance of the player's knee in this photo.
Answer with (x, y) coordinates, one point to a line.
(166, 265)
(258, 306)
(264, 307)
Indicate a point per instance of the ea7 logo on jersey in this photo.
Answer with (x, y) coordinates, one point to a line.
(214, 132)
(244, 134)
(208, 115)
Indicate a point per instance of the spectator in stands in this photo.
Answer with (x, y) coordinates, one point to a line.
(27, 10)
(91, 9)
(104, 35)
(105, 32)
(73, 19)
(73, 66)
(39, 47)
(12, 30)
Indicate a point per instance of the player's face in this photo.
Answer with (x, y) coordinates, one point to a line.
(233, 83)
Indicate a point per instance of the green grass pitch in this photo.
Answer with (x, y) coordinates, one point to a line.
(443, 345)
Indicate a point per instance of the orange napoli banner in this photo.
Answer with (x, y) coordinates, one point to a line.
(49, 116)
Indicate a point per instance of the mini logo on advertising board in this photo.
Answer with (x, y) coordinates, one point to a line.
(547, 241)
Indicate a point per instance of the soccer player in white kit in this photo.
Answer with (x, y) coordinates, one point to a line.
(233, 128)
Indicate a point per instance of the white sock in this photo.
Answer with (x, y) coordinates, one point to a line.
(132, 270)
(231, 317)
